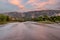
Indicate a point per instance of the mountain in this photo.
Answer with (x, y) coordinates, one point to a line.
(35, 14)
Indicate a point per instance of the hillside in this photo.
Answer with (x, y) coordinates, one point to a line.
(31, 14)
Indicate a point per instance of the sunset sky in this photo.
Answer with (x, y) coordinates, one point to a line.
(28, 5)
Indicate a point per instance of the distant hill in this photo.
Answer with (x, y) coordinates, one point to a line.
(35, 14)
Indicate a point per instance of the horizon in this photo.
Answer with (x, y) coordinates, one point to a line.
(28, 11)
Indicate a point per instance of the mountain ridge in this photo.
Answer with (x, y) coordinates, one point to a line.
(30, 14)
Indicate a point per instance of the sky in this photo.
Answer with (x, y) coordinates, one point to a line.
(28, 5)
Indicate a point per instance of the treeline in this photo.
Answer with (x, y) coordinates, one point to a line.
(48, 19)
(5, 19)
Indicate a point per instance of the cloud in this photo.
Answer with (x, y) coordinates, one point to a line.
(17, 3)
(41, 5)
(27, 5)
(35, 4)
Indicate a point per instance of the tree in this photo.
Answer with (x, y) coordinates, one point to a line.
(40, 18)
(58, 18)
(53, 19)
(3, 17)
(45, 18)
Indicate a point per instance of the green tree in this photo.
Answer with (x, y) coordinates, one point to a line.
(3, 17)
(53, 18)
(40, 18)
(45, 18)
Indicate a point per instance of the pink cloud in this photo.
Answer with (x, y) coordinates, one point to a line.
(36, 4)
(32, 4)
(17, 3)
(41, 5)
